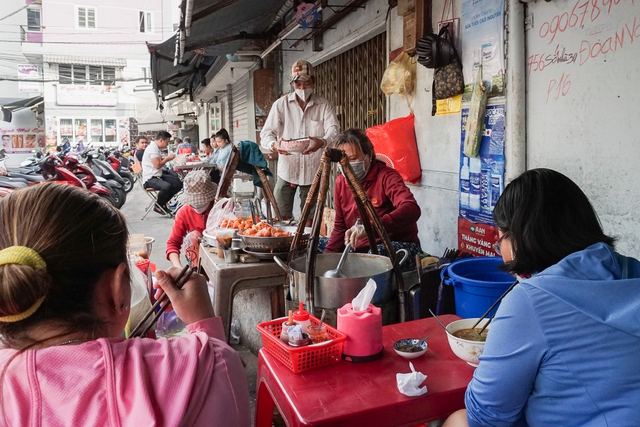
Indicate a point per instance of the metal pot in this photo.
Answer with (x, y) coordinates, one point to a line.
(333, 293)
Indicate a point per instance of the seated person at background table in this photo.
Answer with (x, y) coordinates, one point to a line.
(184, 147)
(224, 148)
(391, 198)
(563, 347)
(154, 174)
(141, 144)
(209, 151)
(194, 149)
(64, 303)
(191, 219)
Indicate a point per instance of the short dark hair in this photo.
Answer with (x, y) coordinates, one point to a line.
(358, 138)
(140, 138)
(206, 142)
(163, 134)
(546, 217)
(222, 133)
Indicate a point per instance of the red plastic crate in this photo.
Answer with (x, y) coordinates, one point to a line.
(300, 359)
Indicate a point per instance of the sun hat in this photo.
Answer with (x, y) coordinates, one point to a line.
(301, 71)
(198, 189)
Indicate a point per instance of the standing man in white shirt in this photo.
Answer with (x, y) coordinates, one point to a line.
(296, 115)
(154, 175)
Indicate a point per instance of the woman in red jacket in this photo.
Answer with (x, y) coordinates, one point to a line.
(391, 198)
(191, 220)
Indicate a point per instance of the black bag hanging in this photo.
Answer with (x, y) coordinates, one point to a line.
(435, 50)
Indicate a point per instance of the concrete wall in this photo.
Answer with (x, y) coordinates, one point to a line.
(582, 111)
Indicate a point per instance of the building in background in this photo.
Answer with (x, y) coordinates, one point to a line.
(89, 62)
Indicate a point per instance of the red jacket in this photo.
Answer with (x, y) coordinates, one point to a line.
(392, 199)
(187, 220)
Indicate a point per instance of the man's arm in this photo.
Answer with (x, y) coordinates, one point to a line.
(157, 163)
(272, 128)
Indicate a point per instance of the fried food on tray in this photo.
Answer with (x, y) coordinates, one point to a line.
(238, 223)
(263, 229)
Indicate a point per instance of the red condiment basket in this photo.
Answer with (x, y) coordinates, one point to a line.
(300, 359)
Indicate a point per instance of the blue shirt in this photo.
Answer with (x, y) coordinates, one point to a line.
(564, 348)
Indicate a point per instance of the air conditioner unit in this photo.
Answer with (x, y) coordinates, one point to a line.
(184, 108)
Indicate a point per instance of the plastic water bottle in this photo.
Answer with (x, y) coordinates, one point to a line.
(235, 332)
(475, 166)
(464, 184)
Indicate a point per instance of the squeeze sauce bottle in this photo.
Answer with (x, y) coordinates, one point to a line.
(301, 317)
(284, 335)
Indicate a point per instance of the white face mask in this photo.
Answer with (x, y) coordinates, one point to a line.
(358, 169)
(304, 94)
(200, 209)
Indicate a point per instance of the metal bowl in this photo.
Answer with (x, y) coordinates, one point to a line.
(274, 244)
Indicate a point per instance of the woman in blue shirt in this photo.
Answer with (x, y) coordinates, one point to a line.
(224, 148)
(563, 348)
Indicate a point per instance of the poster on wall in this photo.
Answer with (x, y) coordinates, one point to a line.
(52, 132)
(21, 140)
(483, 43)
(482, 177)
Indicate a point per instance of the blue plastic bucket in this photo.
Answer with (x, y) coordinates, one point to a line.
(477, 284)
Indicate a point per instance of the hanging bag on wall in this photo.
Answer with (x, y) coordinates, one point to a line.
(447, 79)
(395, 144)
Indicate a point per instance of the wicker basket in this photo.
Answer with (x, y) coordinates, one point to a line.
(300, 359)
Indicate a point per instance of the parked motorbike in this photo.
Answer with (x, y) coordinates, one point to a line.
(90, 180)
(114, 181)
(120, 164)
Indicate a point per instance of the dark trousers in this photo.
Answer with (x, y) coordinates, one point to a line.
(168, 186)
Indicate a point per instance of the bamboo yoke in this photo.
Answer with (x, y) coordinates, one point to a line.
(318, 191)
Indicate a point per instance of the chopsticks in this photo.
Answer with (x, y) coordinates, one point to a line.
(182, 278)
(492, 307)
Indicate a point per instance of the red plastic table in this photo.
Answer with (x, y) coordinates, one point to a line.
(366, 394)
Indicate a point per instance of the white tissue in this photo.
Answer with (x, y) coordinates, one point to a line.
(364, 297)
(409, 384)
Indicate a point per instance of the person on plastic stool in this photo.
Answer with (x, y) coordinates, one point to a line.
(563, 347)
(393, 201)
(64, 303)
(155, 176)
(300, 114)
(191, 220)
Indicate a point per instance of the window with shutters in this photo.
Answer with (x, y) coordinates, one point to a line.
(33, 19)
(86, 17)
(145, 21)
(82, 74)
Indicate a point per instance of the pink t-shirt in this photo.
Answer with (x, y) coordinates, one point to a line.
(195, 380)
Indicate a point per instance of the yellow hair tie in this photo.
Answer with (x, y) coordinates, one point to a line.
(22, 255)
(21, 316)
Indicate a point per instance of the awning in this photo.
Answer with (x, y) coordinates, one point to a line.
(223, 27)
(170, 77)
(34, 104)
(84, 60)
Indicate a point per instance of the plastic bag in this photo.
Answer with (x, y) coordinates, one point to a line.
(475, 121)
(400, 76)
(395, 144)
(223, 209)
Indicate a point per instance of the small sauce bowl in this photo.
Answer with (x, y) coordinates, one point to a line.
(409, 349)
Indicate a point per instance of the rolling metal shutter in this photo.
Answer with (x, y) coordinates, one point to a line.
(238, 125)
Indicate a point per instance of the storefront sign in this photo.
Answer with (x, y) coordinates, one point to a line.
(28, 72)
(307, 14)
(21, 140)
(90, 95)
(476, 238)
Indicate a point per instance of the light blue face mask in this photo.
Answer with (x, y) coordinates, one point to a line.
(358, 169)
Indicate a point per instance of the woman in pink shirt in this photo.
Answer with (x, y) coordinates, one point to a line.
(64, 302)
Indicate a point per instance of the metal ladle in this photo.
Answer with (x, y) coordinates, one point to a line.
(336, 273)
